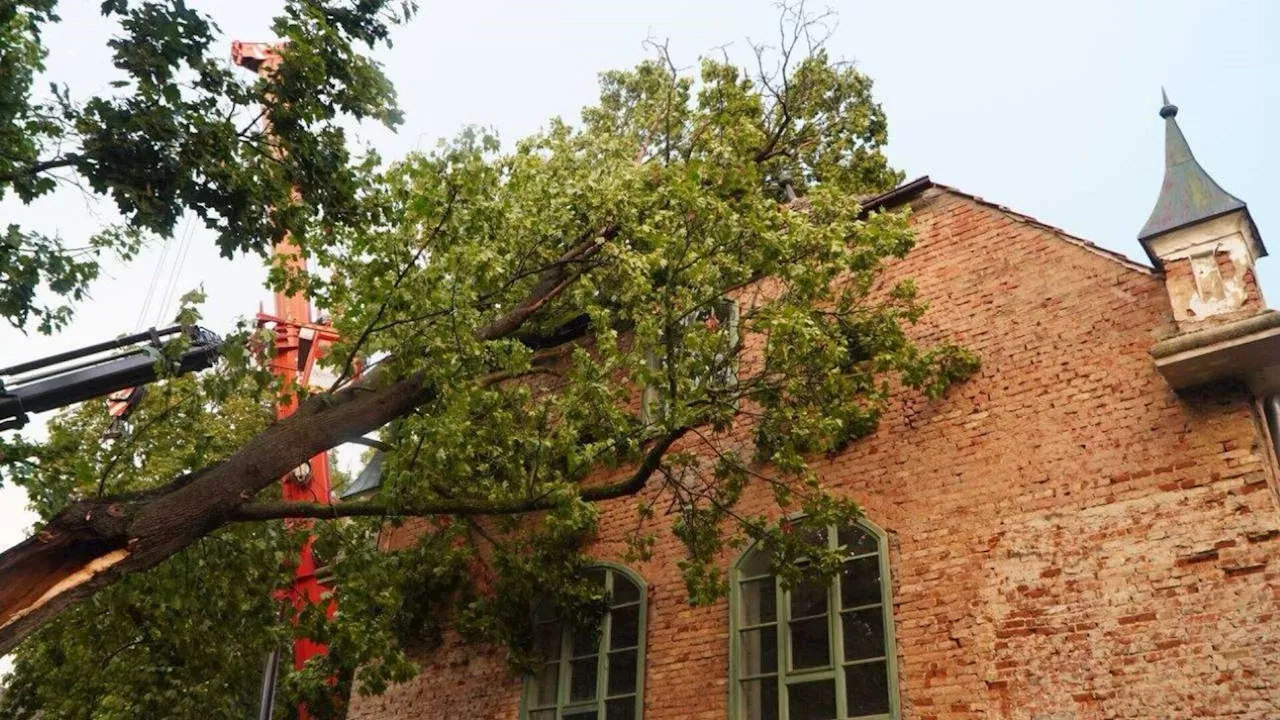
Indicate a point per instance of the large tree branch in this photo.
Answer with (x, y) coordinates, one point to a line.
(280, 510)
(92, 544)
(560, 276)
(42, 166)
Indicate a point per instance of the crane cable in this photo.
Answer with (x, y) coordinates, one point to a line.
(180, 261)
(121, 402)
(155, 278)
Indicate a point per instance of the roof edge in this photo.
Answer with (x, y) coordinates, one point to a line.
(909, 191)
(1248, 218)
(902, 194)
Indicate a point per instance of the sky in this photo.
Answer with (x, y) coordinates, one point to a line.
(1047, 108)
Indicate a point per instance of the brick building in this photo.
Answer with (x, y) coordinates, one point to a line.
(1088, 528)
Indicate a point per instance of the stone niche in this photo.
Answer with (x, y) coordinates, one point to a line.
(1209, 270)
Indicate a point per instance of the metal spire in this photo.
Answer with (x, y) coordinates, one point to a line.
(1188, 194)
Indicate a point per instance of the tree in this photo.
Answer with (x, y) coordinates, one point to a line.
(179, 133)
(543, 334)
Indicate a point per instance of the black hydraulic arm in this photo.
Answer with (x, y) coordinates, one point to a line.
(71, 377)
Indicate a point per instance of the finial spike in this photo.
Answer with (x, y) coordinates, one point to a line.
(1168, 110)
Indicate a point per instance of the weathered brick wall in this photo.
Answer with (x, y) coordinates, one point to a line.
(1069, 539)
(1182, 285)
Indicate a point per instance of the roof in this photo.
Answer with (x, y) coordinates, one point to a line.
(369, 479)
(911, 190)
(1188, 195)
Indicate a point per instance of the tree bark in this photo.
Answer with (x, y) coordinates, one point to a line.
(92, 544)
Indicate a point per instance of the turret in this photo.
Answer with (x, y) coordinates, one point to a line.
(1206, 244)
(1203, 238)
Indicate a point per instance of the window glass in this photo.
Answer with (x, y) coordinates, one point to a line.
(809, 644)
(590, 672)
(622, 672)
(808, 600)
(545, 683)
(867, 689)
(759, 698)
(857, 540)
(815, 700)
(863, 634)
(625, 627)
(759, 651)
(759, 601)
(860, 582)
(837, 637)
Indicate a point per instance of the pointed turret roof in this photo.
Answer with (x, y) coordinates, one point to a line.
(1188, 194)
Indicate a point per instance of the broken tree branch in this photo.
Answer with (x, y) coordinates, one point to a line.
(280, 510)
(92, 544)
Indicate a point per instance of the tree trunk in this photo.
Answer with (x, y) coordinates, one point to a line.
(93, 543)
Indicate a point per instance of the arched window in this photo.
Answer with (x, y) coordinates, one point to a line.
(590, 674)
(815, 652)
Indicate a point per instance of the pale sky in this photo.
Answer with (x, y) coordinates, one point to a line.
(1048, 108)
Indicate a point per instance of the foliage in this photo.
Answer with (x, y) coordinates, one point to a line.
(180, 132)
(186, 640)
(535, 291)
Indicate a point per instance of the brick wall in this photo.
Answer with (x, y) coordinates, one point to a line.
(1068, 538)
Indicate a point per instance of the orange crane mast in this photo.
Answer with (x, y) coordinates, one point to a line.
(298, 342)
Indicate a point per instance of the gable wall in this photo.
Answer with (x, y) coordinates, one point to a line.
(1069, 539)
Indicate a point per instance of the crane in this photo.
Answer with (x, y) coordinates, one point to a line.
(299, 341)
(127, 363)
(121, 369)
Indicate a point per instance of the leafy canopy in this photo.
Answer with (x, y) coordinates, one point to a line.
(178, 133)
(537, 289)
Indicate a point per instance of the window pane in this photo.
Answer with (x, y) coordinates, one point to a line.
(810, 647)
(863, 633)
(760, 699)
(543, 715)
(860, 582)
(582, 679)
(586, 641)
(808, 599)
(624, 591)
(621, 709)
(759, 603)
(857, 540)
(757, 563)
(626, 627)
(759, 651)
(544, 685)
(622, 672)
(867, 689)
(546, 640)
(587, 713)
(723, 309)
(812, 700)
(815, 536)
(544, 611)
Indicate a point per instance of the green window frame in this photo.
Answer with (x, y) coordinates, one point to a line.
(592, 675)
(815, 652)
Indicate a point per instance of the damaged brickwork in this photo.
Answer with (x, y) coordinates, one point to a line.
(1069, 539)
